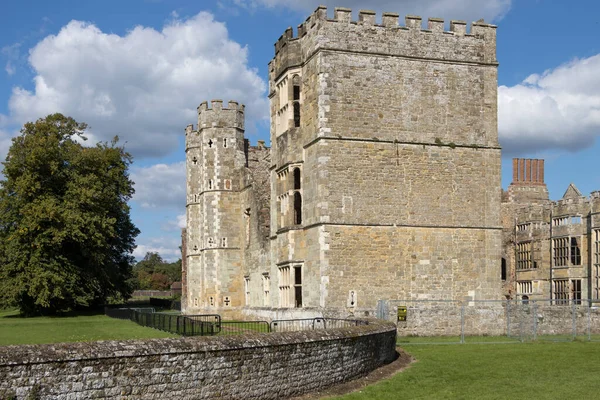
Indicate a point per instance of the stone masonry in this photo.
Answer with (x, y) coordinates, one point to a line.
(551, 248)
(382, 180)
(248, 366)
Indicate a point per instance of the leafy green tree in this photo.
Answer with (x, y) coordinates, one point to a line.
(153, 273)
(66, 236)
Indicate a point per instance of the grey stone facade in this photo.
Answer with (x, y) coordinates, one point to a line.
(551, 248)
(383, 179)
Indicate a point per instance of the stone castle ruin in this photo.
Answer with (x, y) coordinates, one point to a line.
(551, 248)
(382, 180)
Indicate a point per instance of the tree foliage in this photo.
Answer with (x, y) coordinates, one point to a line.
(153, 273)
(65, 233)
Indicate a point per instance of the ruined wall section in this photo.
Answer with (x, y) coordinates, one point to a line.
(255, 199)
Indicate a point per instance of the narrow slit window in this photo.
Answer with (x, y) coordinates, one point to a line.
(297, 181)
(297, 208)
(225, 142)
(298, 286)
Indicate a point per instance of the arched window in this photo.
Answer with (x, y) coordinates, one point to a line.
(297, 208)
(296, 100)
(297, 179)
(503, 269)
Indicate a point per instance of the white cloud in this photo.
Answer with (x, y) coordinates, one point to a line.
(143, 86)
(559, 109)
(469, 10)
(160, 185)
(175, 225)
(10, 69)
(167, 247)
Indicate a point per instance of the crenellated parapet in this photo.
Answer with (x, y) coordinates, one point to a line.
(217, 116)
(384, 35)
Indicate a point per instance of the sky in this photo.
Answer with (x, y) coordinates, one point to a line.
(139, 68)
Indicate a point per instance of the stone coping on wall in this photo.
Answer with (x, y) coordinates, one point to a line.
(254, 366)
(78, 351)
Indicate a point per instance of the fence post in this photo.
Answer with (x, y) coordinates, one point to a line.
(589, 324)
(462, 323)
(574, 320)
(508, 318)
(534, 320)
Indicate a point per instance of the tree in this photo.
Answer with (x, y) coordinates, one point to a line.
(153, 273)
(66, 237)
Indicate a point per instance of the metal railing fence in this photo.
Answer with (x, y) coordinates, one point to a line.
(491, 321)
(211, 324)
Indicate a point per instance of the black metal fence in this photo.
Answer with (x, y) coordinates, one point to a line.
(211, 324)
(309, 324)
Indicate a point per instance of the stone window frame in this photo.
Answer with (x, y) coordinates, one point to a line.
(266, 280)
(560, 291)
(576, 291)
(247, 290)
(289, 286)
(284, 280)
(561, 251)
(523, 227)
(524, 287)
(523, 255)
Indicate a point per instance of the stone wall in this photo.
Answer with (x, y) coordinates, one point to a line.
(519, 320)
(267, 366)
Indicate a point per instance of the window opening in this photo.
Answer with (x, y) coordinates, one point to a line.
(296, 114)
(266, 289)
(210, 184)
(284, 286)
(297, 182)
(298, 286)
(576, 291)
(247, 290)
(561, 252)
(225, 142)
(194, 160)
(210, 143)
(247, 218)
(575, 251)
(524, 255)
(296, 100)
(561, 291)
(503, 269)
(297, 208)
(224, 242)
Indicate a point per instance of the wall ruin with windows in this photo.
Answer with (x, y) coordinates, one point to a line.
(552, 244)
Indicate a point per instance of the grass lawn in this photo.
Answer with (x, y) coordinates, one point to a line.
(494, 371)
(79, 328)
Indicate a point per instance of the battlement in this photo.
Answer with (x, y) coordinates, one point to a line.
(384, 35)
(388, 20)
(216, 115)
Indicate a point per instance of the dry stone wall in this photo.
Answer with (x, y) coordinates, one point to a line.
(269, 366)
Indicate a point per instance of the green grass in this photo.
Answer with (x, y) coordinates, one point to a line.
(494, 371)
(78, 328)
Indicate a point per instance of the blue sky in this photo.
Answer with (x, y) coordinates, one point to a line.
(139, 68)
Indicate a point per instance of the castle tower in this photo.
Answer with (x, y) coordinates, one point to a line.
(215, 158)
(385, 162)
